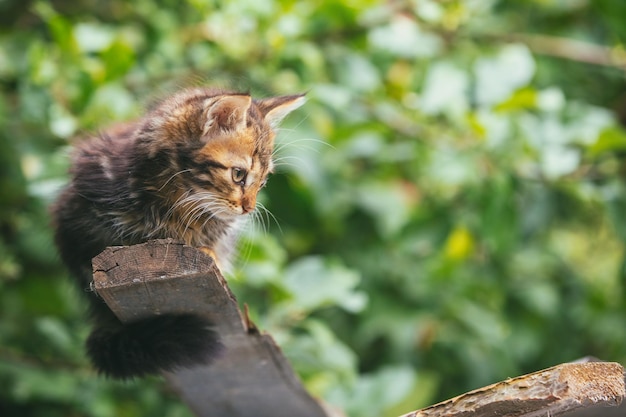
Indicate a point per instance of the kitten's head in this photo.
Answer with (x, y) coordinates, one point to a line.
(224, 145)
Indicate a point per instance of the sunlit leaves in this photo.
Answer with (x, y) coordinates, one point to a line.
(376, 394)
(444, 208)
(111, 101)
(459, 244)
(446, 90)
(499, 76)
(314, 283)
(610, 140)
(404, 38)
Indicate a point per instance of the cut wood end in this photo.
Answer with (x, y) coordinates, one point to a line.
(152, 260)
(251, 377)
(595, 382)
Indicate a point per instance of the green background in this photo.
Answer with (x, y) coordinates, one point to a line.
(448, 212)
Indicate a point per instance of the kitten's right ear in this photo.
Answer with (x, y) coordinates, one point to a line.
(227, 113)
(275, 109)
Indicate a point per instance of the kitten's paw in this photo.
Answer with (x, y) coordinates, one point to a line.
(208, 251)
(211, 253)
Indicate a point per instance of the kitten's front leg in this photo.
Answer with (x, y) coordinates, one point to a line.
(209, 251)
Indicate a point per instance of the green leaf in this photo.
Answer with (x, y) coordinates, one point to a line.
(60, 27)
(314, 282)
(376, 392)
(56, 333)
(610, 140)
(93, 37)
(32, 384)
(319, 349)
(525, 98)
(110, 102)
(262, 259)
(404, 38)
(445, 90)
(118, 57)
(500, 76)
(358, 73)
(388, 203)
(62, 122)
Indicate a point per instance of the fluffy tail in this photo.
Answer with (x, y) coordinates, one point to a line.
(149, 346)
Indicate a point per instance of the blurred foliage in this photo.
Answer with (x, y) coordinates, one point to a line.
(449, 210)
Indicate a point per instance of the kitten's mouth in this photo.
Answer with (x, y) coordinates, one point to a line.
(241, 212)
(231, 213)
(206, 203)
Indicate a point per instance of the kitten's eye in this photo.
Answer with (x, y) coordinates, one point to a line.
(239, 176)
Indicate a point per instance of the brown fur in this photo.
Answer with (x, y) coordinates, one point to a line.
(190, 170)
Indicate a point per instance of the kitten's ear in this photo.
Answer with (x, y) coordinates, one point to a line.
(274, 109)
(228, 112)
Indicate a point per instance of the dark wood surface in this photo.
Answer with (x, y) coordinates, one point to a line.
(251, 378)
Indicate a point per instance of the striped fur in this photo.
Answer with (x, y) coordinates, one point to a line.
(190, 169)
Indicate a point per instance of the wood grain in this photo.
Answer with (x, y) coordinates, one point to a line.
(561, 390)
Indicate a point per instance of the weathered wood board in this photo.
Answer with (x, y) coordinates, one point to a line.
(251, 378)
(563, 390)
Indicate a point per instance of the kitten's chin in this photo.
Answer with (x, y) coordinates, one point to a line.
(232, 216)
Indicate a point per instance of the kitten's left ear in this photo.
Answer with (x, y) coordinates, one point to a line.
(274, 109)
(228, 112)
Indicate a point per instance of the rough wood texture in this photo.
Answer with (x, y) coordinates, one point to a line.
(558, 391)
(252, 378)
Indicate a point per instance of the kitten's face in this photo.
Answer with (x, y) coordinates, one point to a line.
(234, 157)
(233, 168)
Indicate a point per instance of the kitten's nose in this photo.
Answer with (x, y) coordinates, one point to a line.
(247, 205)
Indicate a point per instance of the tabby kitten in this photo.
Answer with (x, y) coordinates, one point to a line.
(189, 170)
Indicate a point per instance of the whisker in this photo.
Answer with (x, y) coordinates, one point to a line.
(194, 206)
(172, 177)
(244, 251)
(258, 222)
(293, 161)
(279, 147)
(302, 120)
(268, 215)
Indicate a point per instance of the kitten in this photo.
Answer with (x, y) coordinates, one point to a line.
(189, 170)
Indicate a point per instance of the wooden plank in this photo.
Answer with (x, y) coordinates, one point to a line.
(251, 378)
(563, 390)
